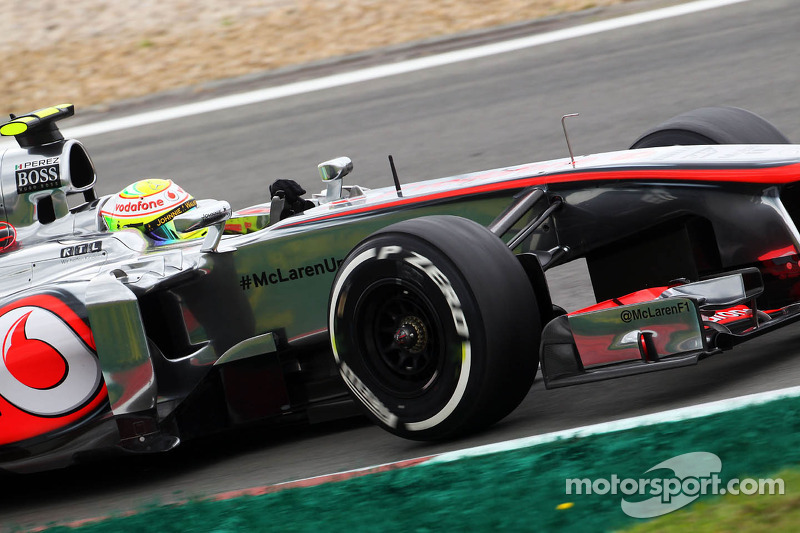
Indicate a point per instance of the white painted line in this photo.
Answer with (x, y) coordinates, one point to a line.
(383, 71)
(673, 415)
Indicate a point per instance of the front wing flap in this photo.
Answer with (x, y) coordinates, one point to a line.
(681, 325)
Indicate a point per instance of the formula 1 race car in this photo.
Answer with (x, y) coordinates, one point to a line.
(424, 304)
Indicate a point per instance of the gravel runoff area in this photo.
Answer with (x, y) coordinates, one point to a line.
(93, 52)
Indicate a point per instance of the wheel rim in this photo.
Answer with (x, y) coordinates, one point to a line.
(397, 324)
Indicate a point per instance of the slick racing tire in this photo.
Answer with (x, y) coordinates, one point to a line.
(434, 327)
(712, 125)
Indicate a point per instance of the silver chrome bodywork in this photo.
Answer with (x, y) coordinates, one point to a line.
(235, 325)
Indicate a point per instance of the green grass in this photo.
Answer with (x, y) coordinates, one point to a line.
(741, 513)
(524, 489)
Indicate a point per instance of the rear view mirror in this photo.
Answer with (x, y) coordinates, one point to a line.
(332, 173)
(335, 169)
(210, 214)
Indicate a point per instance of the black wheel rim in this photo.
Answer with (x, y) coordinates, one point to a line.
(397, 324)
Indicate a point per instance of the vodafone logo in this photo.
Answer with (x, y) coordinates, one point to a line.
(135, 207)
(46, 368)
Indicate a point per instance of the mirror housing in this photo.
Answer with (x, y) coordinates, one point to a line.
(335, 169)
(211, 214)
(331, 172)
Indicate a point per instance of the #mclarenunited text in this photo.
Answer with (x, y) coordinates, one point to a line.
(265, 278)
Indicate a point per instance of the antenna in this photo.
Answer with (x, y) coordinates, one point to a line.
(396, 179)
(566, 135)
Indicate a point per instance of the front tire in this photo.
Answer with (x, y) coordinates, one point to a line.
(434, 327)
(712, 125)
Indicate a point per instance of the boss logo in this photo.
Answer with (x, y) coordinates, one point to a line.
(38, 178)
(82, 249)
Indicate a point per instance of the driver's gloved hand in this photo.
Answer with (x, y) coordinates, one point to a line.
(292, 194)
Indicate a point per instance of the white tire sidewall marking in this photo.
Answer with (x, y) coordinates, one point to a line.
(455, 399)
(343, 274)
(357, 386)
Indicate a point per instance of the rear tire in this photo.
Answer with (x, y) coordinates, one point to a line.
(434, 327)
(712, 125)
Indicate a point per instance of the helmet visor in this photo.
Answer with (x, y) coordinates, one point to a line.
(162, 229)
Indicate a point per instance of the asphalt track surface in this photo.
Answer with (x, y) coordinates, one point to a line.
(469, 116)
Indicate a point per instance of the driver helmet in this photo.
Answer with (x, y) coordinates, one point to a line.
(149, 206)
